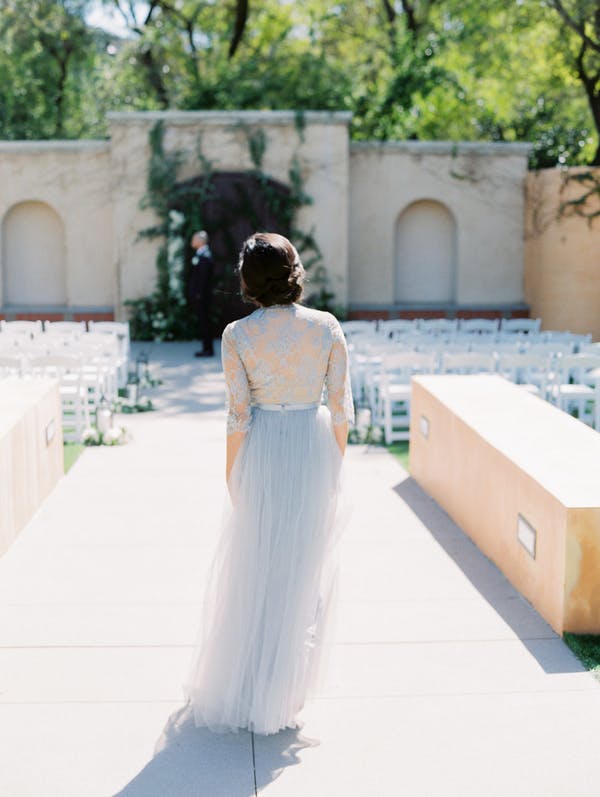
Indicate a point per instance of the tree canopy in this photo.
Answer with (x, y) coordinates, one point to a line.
(516, 70)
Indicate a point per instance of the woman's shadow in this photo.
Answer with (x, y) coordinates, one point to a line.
(195, 762)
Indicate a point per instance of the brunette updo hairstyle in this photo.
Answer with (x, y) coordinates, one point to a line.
(270, 270)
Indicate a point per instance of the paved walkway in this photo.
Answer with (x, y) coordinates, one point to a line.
(444, 682)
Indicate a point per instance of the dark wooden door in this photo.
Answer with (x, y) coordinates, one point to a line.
(230, 206)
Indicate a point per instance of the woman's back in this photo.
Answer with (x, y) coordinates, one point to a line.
(267, 625)
(285, 354)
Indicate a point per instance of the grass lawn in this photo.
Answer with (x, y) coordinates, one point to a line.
(587, 649)
(71, 452)
(400, 450)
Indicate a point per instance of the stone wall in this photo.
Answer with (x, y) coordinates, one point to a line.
(71, 182)
(452, 214)
(435, 227)
(562, 253)
(321, 149)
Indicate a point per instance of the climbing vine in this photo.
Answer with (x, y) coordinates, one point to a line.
(587, 204)
(181, 208)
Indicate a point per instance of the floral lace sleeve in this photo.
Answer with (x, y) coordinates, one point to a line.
(236, 380)
(337, 379)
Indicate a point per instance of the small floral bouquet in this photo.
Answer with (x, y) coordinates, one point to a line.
(115, 435)
(363, 431)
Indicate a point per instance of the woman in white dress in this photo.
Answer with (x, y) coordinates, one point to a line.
(267, 622)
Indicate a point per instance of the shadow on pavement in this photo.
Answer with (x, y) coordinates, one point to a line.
(195, 762)
(544, 644)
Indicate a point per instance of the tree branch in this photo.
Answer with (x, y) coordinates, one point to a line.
(241, 16)
(412, 23)
(576, 25)
(390, 12)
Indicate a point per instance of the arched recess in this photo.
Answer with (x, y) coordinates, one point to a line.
(33, 255)
(230, 206)
(425, 253)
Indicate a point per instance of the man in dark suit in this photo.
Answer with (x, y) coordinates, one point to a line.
(201, 280)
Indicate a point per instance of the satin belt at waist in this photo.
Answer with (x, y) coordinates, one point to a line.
(308, 406)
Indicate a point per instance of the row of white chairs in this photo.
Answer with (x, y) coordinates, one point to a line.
(106, 345)
(89, 362)
(444, 325)
(520, 331)
(82, 384)
(382, 381)
(34, 328)
(368, 345)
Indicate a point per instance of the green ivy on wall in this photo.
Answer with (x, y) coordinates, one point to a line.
(587, 204)
(166, 314)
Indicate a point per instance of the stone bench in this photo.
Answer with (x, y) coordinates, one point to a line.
(522, 479)
(31, 450)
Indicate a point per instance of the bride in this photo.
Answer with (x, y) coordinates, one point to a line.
(266, 625)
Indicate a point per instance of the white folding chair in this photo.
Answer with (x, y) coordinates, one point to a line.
(548, 347)
(121, 330)
(496, 346)
(73, 392)
(9, 343)
(471, 362)
(105, 353)
(478, 326)
(26, 328)
(576, 384)
(437, 326)
(529, 371)
(359, 326)
(10, 365)
(589, 348)
(558, 336)
(395, 390)
(367, 362)
(395, 326)
(65, 327)
(520, 325)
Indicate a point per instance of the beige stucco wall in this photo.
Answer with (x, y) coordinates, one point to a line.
(562, 254)
(481, 185)
(322, 152)
(72, 177)
(359, 192)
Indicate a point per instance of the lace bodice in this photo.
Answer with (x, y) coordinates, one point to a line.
(285, 354)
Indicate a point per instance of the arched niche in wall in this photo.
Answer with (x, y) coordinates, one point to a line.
(425, 267)
(33, 255)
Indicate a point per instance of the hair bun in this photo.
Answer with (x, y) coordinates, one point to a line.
(270, 269)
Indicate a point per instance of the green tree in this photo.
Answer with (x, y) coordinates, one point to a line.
(512, 82)
(424, 69)
(45, 57)
(580, 39)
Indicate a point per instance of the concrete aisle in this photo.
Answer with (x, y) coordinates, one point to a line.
(444, 682)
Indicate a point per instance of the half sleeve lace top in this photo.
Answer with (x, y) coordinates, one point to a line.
(285, 354)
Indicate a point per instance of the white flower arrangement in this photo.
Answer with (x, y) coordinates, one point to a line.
(116, 435)
(113, 436)
(90, 436)
(363, 431)
(175, 255)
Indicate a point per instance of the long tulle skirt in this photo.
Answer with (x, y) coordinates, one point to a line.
(269, 614)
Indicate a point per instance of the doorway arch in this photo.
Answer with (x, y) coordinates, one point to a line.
(33, 255)
(230, 206)
(425, 262)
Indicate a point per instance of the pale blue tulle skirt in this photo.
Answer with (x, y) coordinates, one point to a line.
(270, 603)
